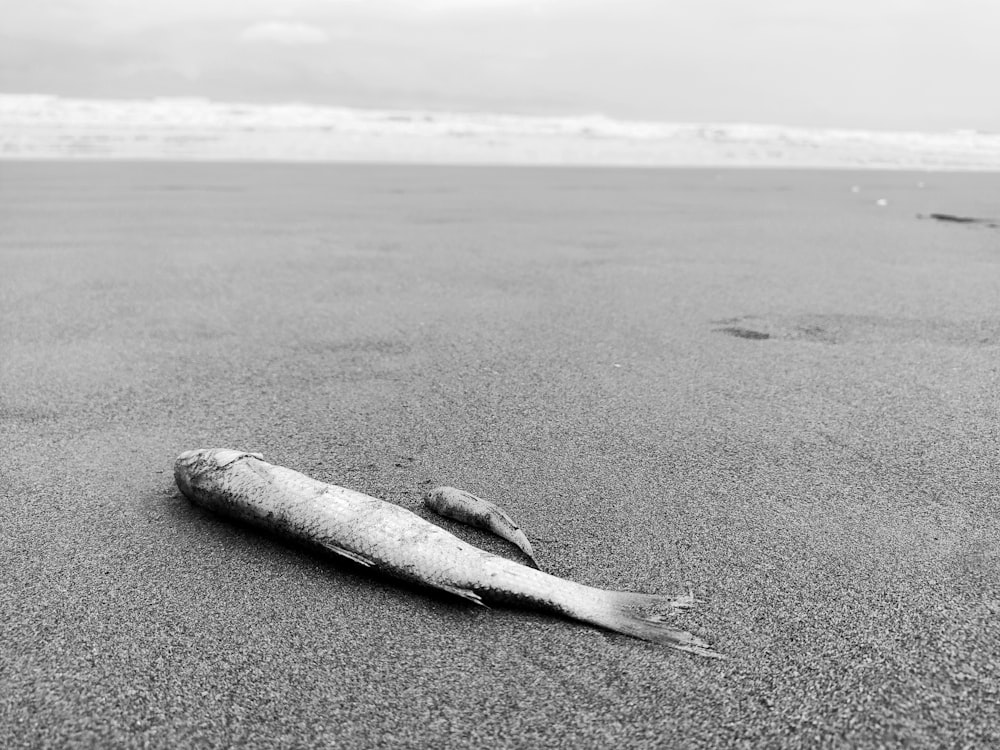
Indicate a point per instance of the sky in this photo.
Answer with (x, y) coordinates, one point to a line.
(867, 64)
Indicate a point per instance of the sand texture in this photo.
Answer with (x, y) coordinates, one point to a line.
(765, 386)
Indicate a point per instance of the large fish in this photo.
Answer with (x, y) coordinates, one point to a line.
(389, 538)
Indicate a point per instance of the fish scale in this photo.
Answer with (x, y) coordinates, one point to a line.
(387, 537)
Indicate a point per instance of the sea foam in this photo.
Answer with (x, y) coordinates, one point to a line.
(40, 126)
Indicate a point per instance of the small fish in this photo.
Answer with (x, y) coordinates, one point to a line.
(465, 507)
(389, 538)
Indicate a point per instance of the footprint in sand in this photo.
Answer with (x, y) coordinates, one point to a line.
(861, 329)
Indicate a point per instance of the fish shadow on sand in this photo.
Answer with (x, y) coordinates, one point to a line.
(281, 549)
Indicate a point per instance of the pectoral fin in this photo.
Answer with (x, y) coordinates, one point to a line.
(359, 559)
(466, 594)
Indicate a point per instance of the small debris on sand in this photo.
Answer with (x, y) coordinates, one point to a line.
(961, 219)
(744, 333)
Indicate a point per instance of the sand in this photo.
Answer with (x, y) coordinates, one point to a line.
(760, 385)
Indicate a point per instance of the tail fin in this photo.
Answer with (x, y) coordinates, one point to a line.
(643, 615)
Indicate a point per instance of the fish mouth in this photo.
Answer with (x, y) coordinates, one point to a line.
(189, 467)
(195, 460)
(215, 458)
(192, 466)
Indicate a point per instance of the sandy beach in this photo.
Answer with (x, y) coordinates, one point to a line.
(778, 389)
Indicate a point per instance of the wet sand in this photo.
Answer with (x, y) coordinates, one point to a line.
(759, 385)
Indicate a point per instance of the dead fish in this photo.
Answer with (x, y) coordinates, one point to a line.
(465, 507)
(389, 538)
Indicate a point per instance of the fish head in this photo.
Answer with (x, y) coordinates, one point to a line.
(194, 469)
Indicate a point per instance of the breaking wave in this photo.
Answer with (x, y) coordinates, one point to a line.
(39, 126)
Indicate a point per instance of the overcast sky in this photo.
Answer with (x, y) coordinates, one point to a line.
(883, 64)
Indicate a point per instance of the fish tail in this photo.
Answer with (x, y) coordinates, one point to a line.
(644, 616)
(517, 537)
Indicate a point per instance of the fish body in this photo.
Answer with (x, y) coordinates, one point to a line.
(465, 507)
(390, 538)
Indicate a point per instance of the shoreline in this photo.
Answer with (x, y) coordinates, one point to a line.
(526, 167)
(169, 129)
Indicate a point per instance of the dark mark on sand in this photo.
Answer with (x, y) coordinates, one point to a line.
(832, 328)
(744, 333)
(961, 219)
